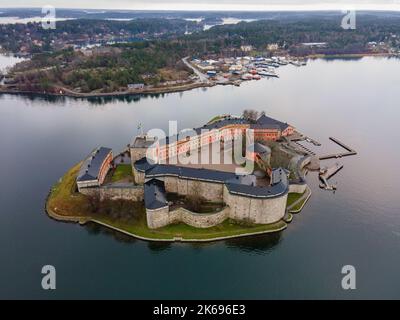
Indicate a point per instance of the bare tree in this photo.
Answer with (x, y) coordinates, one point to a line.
(250, 114)
(94, 202)
(193, 203)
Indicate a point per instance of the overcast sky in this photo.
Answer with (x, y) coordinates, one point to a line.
(209, 4)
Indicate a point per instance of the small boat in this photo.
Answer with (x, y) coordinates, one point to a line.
(268, 73)
(283, 62)
(296, 63)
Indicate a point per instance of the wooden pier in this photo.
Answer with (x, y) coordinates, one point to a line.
(350, 151)
(327, 173)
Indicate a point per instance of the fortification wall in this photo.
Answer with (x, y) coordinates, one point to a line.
(132, 193)
(208, 190)
(171, 184)
(162, 217)
(158, 218)
(203, 220)
(297, 188)
(90, 191)
(137, 154)
(138, 176)
(255, 210)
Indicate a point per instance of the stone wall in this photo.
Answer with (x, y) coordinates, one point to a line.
(171, 184)
(138, 176)
(158, 218)
(137, 154)
(163, 217)
(210, 191)
(90, 191)
(132, 193)
(203, 220)
(255, 210)
(297, 187)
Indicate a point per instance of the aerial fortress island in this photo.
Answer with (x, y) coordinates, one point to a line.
(167, 198)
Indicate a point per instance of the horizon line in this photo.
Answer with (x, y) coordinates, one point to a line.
(265, 8)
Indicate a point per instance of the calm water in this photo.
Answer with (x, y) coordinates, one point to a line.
(355, 101)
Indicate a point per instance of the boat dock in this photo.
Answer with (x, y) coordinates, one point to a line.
(327, 173)
(306, 150)
(350, 151)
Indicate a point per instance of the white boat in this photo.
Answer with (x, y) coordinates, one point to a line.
(268, 73)
(283, 62)
(296, 63)
(274, 64)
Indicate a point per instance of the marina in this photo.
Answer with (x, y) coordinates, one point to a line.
(234, 70)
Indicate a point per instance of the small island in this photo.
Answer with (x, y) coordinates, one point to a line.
(143, 193)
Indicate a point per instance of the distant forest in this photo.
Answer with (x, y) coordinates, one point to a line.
(154, 47)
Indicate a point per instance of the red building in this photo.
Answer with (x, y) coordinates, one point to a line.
(264, 129)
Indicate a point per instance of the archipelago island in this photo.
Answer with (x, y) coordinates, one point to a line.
(234, 176)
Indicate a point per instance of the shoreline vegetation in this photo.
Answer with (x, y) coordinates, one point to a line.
(101, 58)
(73, 94)
(64, 203)
(66, 92)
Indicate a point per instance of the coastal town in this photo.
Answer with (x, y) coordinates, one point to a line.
(200, 73)
(97, 58)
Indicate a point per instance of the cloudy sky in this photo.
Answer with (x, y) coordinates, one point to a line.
(210, 4)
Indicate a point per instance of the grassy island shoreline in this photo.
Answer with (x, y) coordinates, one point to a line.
(65, 204)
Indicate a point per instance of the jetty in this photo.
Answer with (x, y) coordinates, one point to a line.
(350, 151)
(327, 173)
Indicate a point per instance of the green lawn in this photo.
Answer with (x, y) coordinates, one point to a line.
(298, 206)
(227, 228)
(293, 197)
(64, 199)
(122, 172)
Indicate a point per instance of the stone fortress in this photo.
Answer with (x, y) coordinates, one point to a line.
(244, 197)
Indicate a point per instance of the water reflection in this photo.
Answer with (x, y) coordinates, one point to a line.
(98, 100)
(97, 229)
(260, 244)
(157, 247)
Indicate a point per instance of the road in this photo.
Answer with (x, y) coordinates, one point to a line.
(202, 76)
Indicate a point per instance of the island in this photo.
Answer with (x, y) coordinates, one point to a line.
(152, 192)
